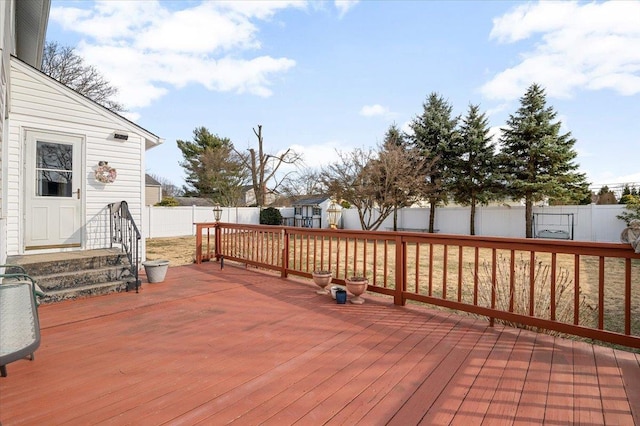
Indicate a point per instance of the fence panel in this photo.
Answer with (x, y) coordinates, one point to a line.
(591, 223)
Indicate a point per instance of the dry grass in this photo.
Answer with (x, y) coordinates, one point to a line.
(177, 250)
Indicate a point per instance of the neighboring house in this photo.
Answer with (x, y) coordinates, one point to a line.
(53, 140)
(152, 191)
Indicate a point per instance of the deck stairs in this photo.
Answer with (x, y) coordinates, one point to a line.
(71, 275)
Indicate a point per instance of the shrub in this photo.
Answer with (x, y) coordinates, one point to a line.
(168, 202)
(629, 199)
(270, 216)
(632, 212)
(541, 294)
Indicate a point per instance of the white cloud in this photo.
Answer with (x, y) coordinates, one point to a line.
(344, 6)
(495, 133)
(497, 109)
(317, 156)
(612, 179)
(593, 46)
(374, 110)
(144, 48)
(406, 127)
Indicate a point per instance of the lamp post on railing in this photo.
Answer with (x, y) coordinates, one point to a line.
(217, 215)
(217, 212)
(333, 213)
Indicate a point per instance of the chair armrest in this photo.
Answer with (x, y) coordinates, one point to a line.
(24, 277)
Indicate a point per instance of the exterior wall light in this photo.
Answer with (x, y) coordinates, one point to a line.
(120, 135)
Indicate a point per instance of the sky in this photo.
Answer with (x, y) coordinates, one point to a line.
(329, 76)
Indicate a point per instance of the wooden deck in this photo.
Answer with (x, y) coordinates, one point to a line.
(237, 346)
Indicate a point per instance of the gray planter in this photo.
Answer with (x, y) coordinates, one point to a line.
(156, 270)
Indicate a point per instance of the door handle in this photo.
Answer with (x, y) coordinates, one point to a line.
(78, 193)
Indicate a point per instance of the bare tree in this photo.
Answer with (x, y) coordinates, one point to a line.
(398, 178)
(168, 188)
(302, 183)
(346, 180)
(264, 168)
(65, 65)
(379, 183)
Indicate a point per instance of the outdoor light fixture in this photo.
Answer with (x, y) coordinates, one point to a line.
(120, 135)
(333, 213)
(217, 212)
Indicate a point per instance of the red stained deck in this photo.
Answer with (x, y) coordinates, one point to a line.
(237, 346)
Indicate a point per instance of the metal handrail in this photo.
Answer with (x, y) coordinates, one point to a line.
(124, 232)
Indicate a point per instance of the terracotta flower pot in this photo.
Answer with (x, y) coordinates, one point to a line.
(322, 279)
(357, 286)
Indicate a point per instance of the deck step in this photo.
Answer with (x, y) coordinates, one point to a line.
(71, 275)
(53, 263)
(83, 291)
(80, 278)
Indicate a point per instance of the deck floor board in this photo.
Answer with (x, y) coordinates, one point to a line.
(239, 346)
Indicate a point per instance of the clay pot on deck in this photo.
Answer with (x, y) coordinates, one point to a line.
(322, 279)
(357, 286)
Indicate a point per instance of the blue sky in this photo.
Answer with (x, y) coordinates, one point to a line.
(322, 76)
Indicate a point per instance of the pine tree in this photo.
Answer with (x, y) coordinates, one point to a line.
(432, 136)
(537, 161)
(213, 169)
(473, 179)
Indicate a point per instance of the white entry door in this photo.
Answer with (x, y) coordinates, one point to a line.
(53, 208)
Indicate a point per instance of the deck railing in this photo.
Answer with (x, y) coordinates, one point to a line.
(585, 289)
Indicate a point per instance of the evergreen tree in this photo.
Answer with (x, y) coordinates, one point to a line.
(626, 191)
(473, 179)
(213, 169)
(395, 137)
(537, 161)
(432, 136)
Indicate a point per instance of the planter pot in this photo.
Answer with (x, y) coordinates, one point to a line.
(156, 270)
(357, 286)
(322, 279)
(334, 289)
(341, 296)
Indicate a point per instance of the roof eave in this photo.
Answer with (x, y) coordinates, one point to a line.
(31, 30)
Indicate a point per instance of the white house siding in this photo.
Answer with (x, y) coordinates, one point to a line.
(3, 178)
(40, 103)
(5, 38)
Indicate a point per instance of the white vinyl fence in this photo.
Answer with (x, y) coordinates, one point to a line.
(590, 223)
(179, 221)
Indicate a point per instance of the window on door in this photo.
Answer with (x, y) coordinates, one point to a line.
(54, 169)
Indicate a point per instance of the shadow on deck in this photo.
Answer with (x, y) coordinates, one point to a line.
(244, 347)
